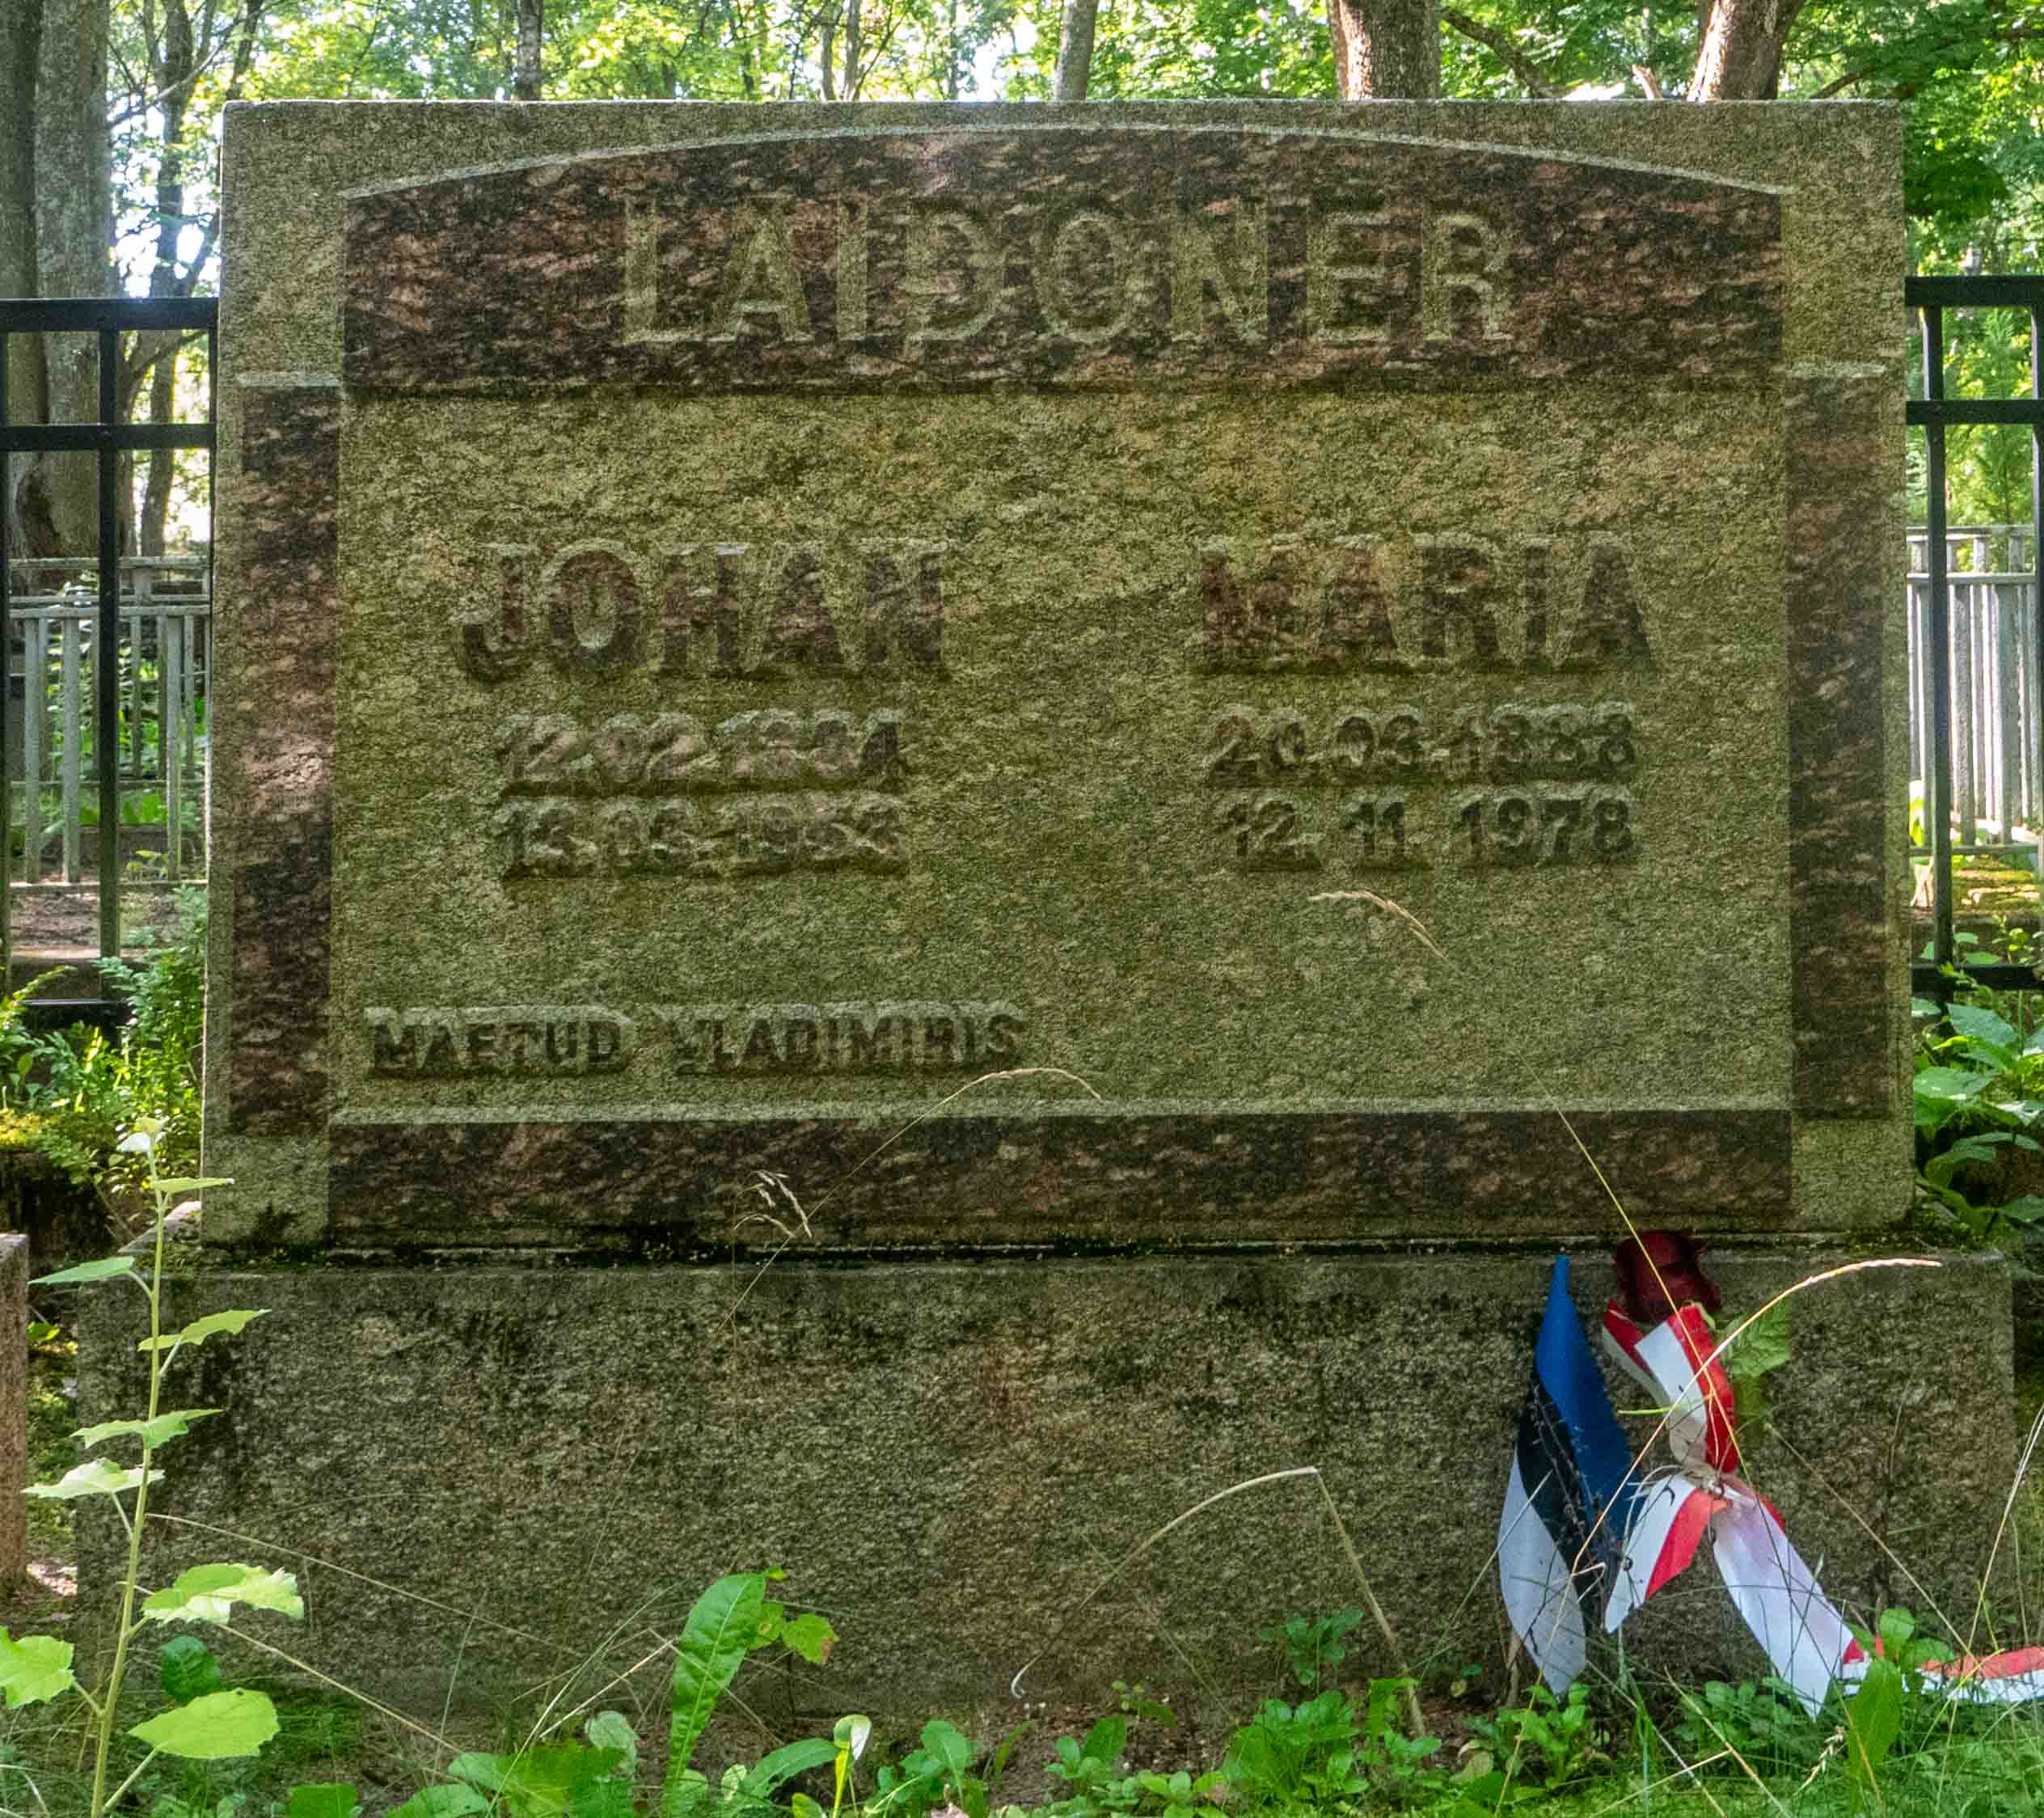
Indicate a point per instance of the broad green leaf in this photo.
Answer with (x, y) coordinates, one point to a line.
(1873, 1721)
(803, 1807)
(200, 1330)
(948, 1744)
(97, 1476)
(1981, 1028)
(323, 1799)
(548, 1781)
(1950, 1083)
(34, 1669)
(1107, 1739)
(208, 1593)
(163, 1428)
(811, 1636)
(612, 1729)
(442, 1802)
(187, 1669)
(217, 1728)
(1761, 1347)
(1925, 1007)
(714, 1643)
(784, 1764)
(2029, 1210)
(187, 1183)
(104, 1270)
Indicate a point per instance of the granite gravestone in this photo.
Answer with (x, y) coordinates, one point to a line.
(1338, 655)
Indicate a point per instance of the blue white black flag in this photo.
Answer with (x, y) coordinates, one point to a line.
(1570, 1500)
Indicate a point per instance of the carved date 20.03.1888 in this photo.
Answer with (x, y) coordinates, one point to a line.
(1509, 744)
(1274, 831)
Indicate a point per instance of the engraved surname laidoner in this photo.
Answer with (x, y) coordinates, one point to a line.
(568, 1041)
(1431, 278)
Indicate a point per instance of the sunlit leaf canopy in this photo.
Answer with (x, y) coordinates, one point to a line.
(1972, 71)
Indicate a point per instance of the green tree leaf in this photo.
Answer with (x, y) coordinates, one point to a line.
(217, 1728)
(34, 1669)
(549, 1781)
(208, 1593)
(1761, 1347)
(442, 1802)
(187, 1669)
(158, 1431)
(811, 1636)
(201, 1329)
(714, 1641)
(1873, 1721)
(104, 1270)
(783, 1763)
(321, 1799)
(612, 1729)
(97, 1476)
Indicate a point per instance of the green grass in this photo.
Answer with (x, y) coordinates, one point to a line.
(53, 1417)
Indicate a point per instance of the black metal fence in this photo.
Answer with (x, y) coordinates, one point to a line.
(1935, 412)
(107, 439)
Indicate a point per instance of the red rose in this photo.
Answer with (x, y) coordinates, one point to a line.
(1659, 1271)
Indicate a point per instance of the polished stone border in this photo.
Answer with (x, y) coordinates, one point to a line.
(1841, 440)
(1059, 1176)
(515, 277)
(278, 661)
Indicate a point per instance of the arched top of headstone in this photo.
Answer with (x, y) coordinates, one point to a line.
(1060, 256)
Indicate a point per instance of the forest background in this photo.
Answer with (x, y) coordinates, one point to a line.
(110, 116)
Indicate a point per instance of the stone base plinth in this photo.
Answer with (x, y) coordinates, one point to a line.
(949, 1458)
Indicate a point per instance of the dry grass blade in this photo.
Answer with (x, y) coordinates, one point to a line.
(767, 1184)
(1390, 907)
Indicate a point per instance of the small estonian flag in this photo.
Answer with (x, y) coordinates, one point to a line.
(1570, 1502)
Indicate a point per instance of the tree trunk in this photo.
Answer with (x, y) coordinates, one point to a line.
(59, 497)
(1740, 56)
(532, 19)
(1386, 50)
(173, 77)
(1076, 50)
(852, 48)
(21, 31)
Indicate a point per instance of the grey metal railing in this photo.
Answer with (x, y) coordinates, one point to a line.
(1997, 695)
(164, 655)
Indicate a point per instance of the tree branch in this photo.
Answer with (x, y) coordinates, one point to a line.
(1507, 53)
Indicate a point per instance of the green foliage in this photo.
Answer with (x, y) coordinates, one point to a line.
(86, 1092)
(1978, 1091)
(186, 1669)
(204, 1722)
(1764, 1724)
(1293, 1754)
(1313, 1645)
(1544, 1740)
(733, 1619)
